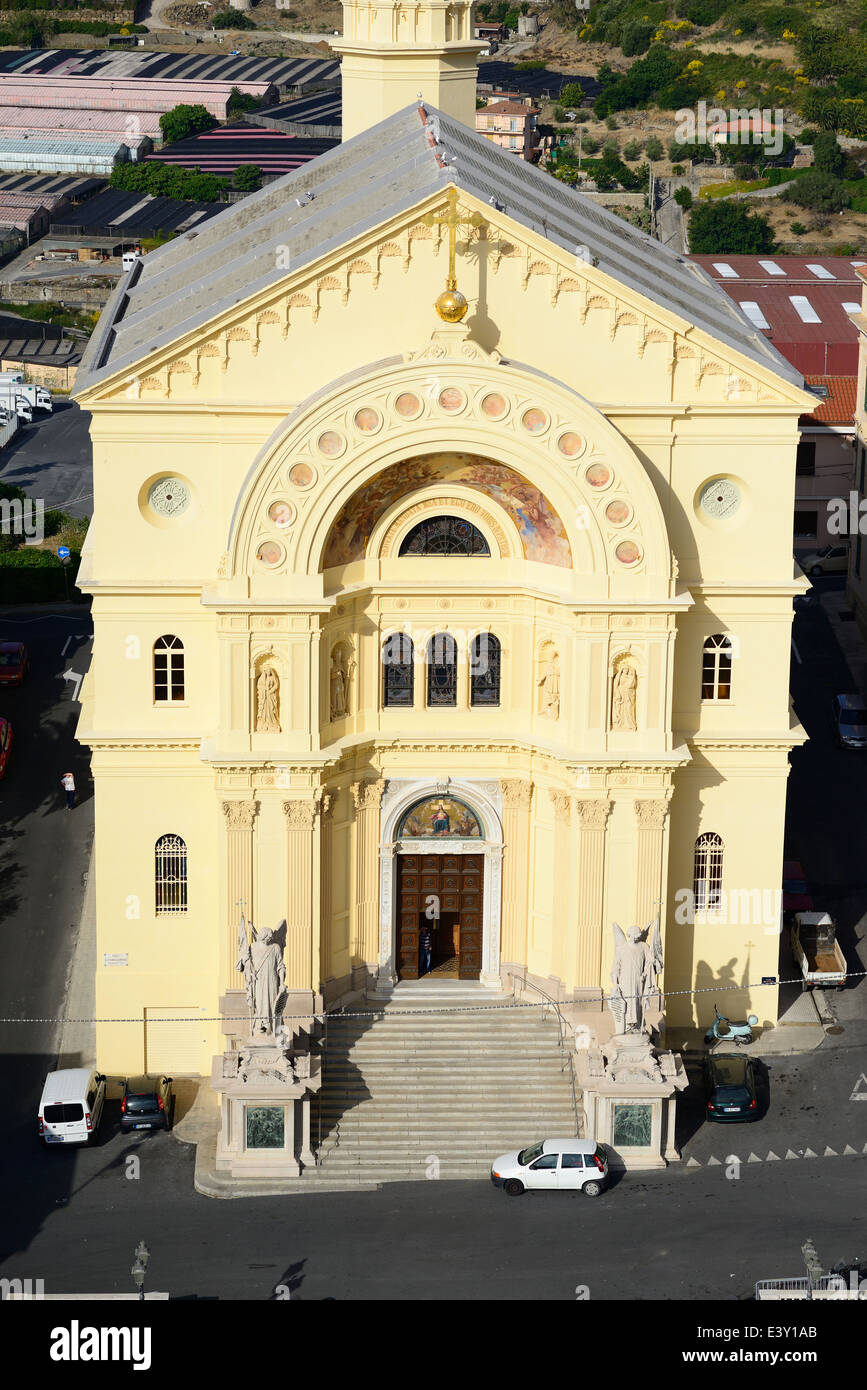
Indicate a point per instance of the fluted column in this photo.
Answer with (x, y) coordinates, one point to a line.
(300, 815)
(517, 796)
(650, 819)
(592, 818)
(326, 821)
(560, 944)
(367, 798)
(239, 816)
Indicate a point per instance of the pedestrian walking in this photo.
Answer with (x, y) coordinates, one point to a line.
(67, 781)
(424, 944)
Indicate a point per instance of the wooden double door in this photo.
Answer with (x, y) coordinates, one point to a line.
(443, 892)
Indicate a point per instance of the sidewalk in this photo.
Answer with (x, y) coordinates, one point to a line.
(848, 636)
(76, 1046)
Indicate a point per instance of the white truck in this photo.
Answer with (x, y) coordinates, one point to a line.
(38, 397)
(817, 950)
(12, 399)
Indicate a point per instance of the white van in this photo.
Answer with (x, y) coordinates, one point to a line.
(71, 1106)
(553, 1165)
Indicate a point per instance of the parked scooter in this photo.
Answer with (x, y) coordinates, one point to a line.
(723, 1030)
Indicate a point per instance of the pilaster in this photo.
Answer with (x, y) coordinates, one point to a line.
(367, 797)
(300, 817)
(517, 799)
(592, 820)
(239, 817)
(650, 817)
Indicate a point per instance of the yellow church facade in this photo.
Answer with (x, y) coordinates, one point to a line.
(400, 621)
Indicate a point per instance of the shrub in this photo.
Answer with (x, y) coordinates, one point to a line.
(611, 123)
(589, 144)
(653, 148)
(233, 19)
(572, 94)
(820, 191)
(36, 576)
(729, 228)
(797, 228)
(744, 171)
(632, 150)
(807, 136)
(635, 39)
(677, 169)
(683, 197)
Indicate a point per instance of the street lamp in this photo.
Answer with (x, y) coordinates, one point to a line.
(139, 1269)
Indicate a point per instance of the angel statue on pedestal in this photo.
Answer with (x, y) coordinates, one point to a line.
(260, 960)
(637, 962)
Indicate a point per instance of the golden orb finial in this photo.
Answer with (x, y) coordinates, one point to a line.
(451, 304)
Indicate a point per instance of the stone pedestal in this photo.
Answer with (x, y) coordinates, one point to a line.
(265, 1088)
(630, 1093)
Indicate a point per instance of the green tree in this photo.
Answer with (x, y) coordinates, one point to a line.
(728, 228)
(510, 19)
(653, 148)
(683, 197)
(183, 121)
(827, 154)
(572, 94)
(632, 150)
(248, 177)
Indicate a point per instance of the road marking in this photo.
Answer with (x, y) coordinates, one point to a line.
(830, 1153)
(860, 1091)
(714, 1163)
(849, 1150)
(693, 1163)
(796, 653)
(47, 618)
(74, 676)
(754, 1158)
(808, 1153)
(789, 1154)
(772, 1157)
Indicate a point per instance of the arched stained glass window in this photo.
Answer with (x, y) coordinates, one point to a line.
(397, 671)
(442, 670)
(485, 658)
(444, 535)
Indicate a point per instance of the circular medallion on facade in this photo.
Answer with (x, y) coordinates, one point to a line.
(401, 603)
(570, 444)
(282, 514)
(599, 475)
(331, 444)
(628, 552)
(534, 420)
(169, 496)
(270, 554)
(444, 603)
(451, 399)
(488, 603)
(720, 498)
(618, 512)
(408, 405)
(302, 475)
(494, 405)
(367, 420)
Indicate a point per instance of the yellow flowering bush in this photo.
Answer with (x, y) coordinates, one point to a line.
(695, 66)
(788, 34)
(739, 85)
(720, 95)
(804, 81)
(738, 31)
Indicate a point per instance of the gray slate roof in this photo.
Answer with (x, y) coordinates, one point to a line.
(361, 184)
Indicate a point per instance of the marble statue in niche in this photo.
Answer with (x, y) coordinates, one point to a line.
(268, 702)
(623, 697)
(549, 684)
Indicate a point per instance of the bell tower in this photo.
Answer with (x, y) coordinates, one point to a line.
(394, 49)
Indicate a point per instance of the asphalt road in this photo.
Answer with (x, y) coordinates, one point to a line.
(52, 459)
(44, 853)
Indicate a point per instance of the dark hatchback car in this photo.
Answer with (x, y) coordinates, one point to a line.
(730, 1087)
(148, 1103)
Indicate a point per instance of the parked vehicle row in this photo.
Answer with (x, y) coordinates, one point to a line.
(73, 1100)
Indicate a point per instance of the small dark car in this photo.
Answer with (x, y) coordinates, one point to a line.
(148, 1103)
(14, 663)
(729, 1087)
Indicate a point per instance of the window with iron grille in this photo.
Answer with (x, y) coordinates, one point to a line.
(444, 535)
(168, 669)
(170, 874)
(806, 526)
(485, 655)
(397, 670)
(707, 873)
(716, 668)
(442, 670)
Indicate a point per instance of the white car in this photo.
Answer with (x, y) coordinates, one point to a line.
(831, 559)
(553, 1165)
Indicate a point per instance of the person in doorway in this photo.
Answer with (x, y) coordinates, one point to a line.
(67, 781)
(425, 946)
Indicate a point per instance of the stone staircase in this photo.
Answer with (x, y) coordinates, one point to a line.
(438, 1083)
